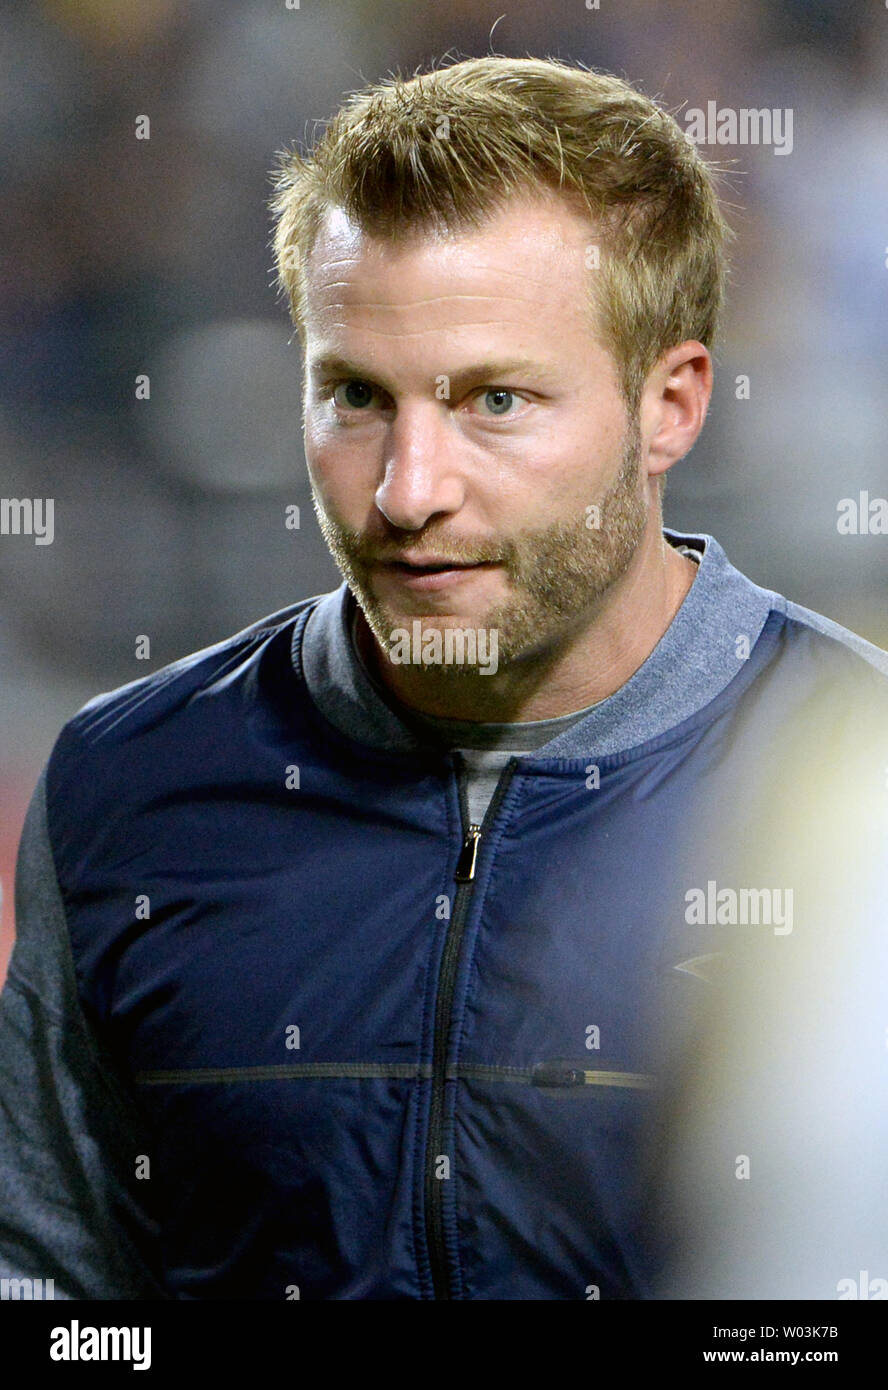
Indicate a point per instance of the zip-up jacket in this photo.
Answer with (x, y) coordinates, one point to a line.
(284, 1021)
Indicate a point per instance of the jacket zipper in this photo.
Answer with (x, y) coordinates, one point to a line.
(465, 880)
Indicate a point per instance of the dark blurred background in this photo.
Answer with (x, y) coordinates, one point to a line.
(124, 257)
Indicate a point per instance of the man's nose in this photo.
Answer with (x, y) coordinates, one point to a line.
(422, 467)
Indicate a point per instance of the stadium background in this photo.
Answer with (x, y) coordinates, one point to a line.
(125, 256)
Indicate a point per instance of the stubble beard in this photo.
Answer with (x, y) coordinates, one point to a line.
(556, 574)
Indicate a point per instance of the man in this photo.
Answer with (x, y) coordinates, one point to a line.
(354, 951)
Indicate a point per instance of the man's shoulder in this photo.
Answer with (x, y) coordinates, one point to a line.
(115, 716)
(845, 649)
(799, 656)
(828, 683)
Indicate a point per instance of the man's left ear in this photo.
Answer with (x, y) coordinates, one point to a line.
(674, 404)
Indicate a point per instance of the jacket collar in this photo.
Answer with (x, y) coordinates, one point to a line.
(700, 652)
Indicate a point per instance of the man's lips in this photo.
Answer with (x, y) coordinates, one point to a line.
(432, 572)
(436, 562)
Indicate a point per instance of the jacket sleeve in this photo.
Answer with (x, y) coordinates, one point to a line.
(70, 1208)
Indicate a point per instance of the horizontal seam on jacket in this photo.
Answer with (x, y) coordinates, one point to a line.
(373, 1071)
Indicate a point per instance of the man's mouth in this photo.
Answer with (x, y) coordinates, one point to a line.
(433, 566)
(433, 573)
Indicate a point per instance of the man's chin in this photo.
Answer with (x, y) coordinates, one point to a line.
(400, 636)
(384, 615)
(386, 623)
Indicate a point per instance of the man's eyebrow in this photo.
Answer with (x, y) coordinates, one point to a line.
(493, 370)
(331, 365)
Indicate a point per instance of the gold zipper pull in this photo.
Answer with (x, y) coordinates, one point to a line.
(465, 866)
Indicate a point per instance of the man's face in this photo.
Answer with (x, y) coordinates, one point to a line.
(459, 409)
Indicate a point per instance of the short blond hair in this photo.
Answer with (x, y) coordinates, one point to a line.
(450, 146)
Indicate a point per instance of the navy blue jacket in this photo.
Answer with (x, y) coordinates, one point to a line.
(340, 1047)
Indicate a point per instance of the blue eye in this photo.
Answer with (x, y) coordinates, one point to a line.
(500, 400)
(357, 393)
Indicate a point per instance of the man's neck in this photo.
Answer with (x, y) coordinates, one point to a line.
(586, 667)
